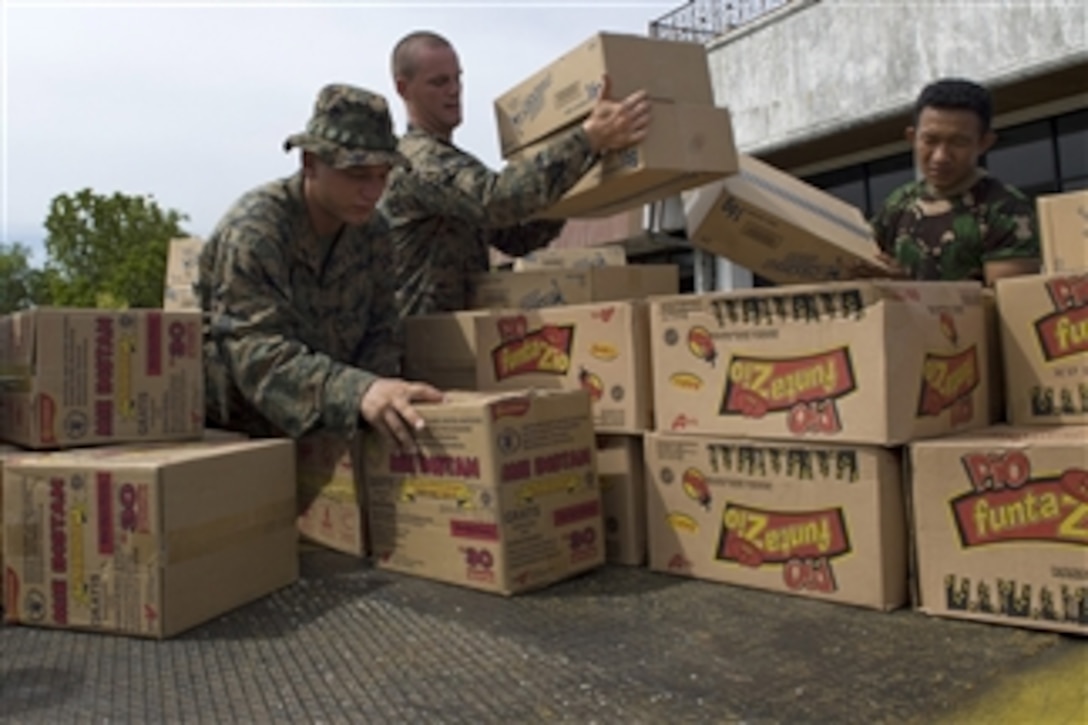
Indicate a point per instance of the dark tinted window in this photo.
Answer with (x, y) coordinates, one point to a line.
(1024, 157)
(847, 184)
(887, 175)
(1073, 147)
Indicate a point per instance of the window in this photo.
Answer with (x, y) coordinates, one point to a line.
(847, 184)
(1072, 132)
(887, 175)
(1024, 157)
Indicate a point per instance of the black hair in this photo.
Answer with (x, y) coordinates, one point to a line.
(956, 94)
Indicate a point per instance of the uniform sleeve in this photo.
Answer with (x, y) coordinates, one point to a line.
(493, 200)
(252, 323)
(884, 223)
(519, 240)
(1012, 230)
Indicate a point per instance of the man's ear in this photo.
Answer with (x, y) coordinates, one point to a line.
(402, 85)
(988, 140)
(309, 164)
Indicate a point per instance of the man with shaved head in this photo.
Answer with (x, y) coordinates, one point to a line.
(448, 208)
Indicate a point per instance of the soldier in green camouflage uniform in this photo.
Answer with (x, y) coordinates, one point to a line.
(957, 222)
(300, 317)
(448, 209)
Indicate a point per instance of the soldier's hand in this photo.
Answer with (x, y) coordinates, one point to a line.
(387, 407)
(614, 125)
(888, 268)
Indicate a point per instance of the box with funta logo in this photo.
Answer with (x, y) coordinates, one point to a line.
(502, 494)
(1001, 526)
(1044, 338)
(878, 363)
(815, 520)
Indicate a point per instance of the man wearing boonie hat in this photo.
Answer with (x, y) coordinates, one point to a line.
(300, 319)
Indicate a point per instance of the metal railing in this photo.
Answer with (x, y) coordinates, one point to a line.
(703, 20)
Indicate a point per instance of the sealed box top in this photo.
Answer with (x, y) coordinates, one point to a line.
(142, 456)
(1010, 436)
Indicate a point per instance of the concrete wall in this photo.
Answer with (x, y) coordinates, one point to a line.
(820, 66)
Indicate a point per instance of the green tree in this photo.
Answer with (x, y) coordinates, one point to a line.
(108, 251)
(20, 284)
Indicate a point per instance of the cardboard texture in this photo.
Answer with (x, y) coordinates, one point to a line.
(1000, 526)
(1063, 230)
(1044, 337)
(182, 272)
(601, 348)
(6, 452)
(878, 363)
(778, 226)
(825, 522)
(147, 540)
(554, 287)
(84, 376)
(180, 299)
(605, 255)
(565, 91)
(621, 473)
(687, 146)
(502, 495)
(183, 261)
(331, 493)
(994, 356)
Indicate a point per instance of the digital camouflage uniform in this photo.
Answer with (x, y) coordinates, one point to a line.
(449, 208)
(297, 326)
(938, 237)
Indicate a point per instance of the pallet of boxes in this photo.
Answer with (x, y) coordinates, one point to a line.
(1001, 515)
(782, 414)
(331, 496)
(120, 512)
(558, 495)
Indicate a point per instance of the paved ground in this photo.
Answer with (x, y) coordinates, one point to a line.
(349, 643)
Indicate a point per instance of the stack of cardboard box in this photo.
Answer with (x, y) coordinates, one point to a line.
(781, 414)
(120, 512)
(690, 140)
(1001, 515)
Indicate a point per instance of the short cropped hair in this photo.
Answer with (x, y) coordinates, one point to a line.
(403, 62)
(956, 94)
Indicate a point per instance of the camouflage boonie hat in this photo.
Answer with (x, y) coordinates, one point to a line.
(349, 127)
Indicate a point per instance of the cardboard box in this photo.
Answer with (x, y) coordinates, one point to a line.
(878, 363)
(821, 521)
(183, 261)
(994, 356)
(85, 376)
(441, 349)
(331, 493)
(147, 540)
(620, 471)
(1044, 336)
(687, 146)
(1063, 231)
(553, 287)
(602, 348)
(502, 495)
(564, 92)
(999, 520)
(605, 255)
(180, 299)
(6, 452)
(779, 227)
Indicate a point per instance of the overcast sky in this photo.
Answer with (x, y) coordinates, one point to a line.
(190, 101)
